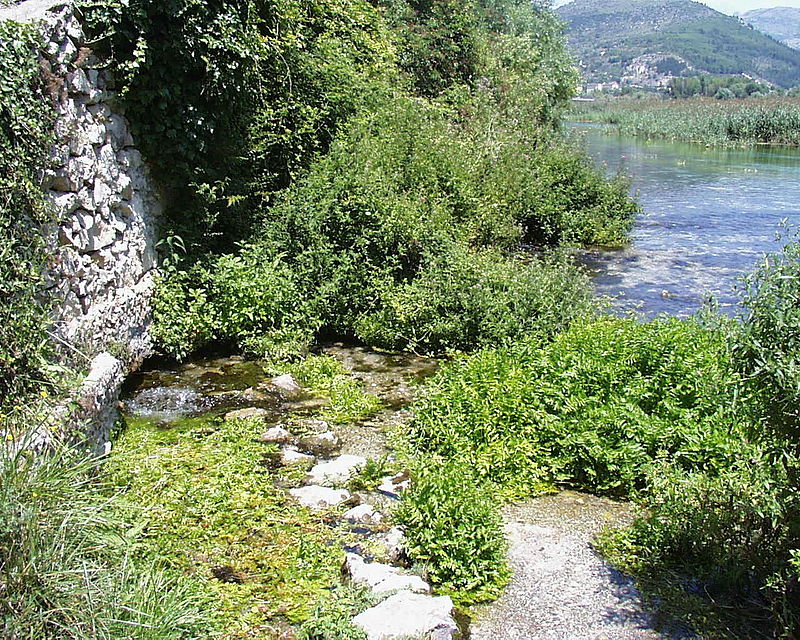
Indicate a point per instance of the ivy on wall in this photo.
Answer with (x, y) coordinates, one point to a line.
(25, 139)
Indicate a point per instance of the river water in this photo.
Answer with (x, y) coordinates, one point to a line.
(708, 217)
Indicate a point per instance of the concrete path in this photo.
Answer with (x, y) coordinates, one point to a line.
(561, 589)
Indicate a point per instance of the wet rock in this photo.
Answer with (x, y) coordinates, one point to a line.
(409, 615)
(319, 498)
(320, 444)
(337, 471)
(382, 578)
(363, 514)
(278, 435)
(286, 384)
(291, 456)
(395, 485)
(249, 412)
(254, 395)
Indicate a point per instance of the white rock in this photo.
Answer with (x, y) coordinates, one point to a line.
(277, 434)
(336, 471)
(319, 498)
(321, 443)
(409, 615)
(382, 578)
(286, 383)
(363, 514)
(291, 456)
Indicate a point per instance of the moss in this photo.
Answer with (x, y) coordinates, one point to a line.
(207, 503)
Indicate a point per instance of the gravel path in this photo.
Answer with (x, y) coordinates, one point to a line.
(561, 589)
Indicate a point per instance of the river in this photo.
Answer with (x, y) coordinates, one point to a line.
(708, 217)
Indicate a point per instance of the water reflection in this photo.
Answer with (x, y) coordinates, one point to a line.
(709, 215)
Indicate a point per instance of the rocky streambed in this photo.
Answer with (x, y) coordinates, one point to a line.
(343, 472)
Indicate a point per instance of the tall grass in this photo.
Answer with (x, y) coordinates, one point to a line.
(705, 120)
(68, 567)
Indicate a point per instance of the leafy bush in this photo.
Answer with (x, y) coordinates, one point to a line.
(333, 616)
(735, 530)
(466, 299)
(767, 348)
(69, 567)
(228, 101)
(590, 409)
(454, 527)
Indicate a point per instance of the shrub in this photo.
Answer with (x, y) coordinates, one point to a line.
(767, 348)
(453, 526)
(590, 409)
(736, 531)
(466, 299)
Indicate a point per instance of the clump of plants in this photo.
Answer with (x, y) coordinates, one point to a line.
(454, 529)
(70, 561)
(590, 409)
(26, 117)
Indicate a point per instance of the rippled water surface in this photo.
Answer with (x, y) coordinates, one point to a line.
(708, 217)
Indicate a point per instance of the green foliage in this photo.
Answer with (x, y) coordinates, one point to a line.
(767, 348)
(228, 101)
(454, 528)
(735, 531)
(388, 217)
(590, 409)
(70, 566)
(332, 617)
(466, 299)
(348, 402)
(25, 136)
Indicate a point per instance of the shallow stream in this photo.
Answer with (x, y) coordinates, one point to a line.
(708, 217)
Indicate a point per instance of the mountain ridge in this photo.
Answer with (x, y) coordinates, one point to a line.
(782, 23)
(647, 42)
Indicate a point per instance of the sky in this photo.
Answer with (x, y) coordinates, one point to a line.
(734, 6)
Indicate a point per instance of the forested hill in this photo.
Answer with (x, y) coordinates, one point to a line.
(782, 23)
(645, 41)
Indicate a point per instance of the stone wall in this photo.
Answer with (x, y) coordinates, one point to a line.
(103, 246)
(100, 276)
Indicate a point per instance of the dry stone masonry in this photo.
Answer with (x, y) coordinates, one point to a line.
(102, 245)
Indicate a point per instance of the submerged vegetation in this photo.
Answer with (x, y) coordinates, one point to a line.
(705, 120)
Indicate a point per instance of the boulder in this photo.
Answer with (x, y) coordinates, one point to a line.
(286, 384)
(320, 444)
(409, 615)
(382, 578)
(319, 498)
(393, 543)
(336, 471)
(277, 434)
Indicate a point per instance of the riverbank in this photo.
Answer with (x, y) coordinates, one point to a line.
(726, 123)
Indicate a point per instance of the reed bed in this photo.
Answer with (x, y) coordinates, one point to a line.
(705, 120)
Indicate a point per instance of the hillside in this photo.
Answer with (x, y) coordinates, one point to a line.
(645, 42)
(782, 23)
